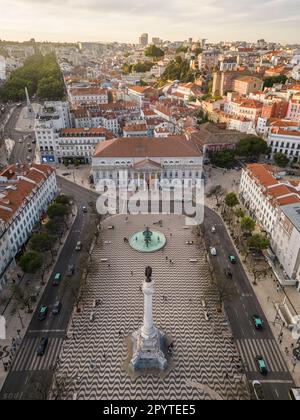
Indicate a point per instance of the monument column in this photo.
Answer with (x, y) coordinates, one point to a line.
(148, 342)
(148, 330)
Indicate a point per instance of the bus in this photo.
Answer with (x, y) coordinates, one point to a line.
(294, 394)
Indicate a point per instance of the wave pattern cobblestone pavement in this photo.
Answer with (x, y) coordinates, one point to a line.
(203, 355)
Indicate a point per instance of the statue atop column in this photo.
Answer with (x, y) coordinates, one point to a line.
(148, 341)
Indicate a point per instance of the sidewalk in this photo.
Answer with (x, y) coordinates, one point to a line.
(17, 325)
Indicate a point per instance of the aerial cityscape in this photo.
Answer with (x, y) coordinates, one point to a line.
(150, 203)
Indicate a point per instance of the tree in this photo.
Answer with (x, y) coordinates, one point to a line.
(223, 159)
(154, 51)
(258, 242)
(270, 81)
(57, 211)
(22, 298)
(217, 192)
(231, 200)
(53, 228)
(281, 160)
(248, 224)
(41, 242)
(31, 262)
(40, 74)
(63, 199)
(182, 49)
(225, 289)
(252, 147)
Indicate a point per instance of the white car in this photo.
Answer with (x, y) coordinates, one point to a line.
(213, 251)
(20, 141)
(213, 229)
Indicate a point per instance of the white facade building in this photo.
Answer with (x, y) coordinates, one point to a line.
(285, 141)
(25, 194)
(286, 241)
(85, 96)
(147, 158)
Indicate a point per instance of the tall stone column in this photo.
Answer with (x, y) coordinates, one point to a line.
(149, 343)
(148, 330)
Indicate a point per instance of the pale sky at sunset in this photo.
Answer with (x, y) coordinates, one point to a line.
(124, 20)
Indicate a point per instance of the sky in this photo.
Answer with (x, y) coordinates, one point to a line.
(125, 20)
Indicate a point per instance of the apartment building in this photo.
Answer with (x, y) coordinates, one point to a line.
(25, 194)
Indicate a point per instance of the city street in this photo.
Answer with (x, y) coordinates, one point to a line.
(240, 310)
(26, 368)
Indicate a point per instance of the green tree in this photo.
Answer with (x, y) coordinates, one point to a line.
(252, 147)
(223, 159)
(231, 200)
(57, 211)
(63, 199)
(281, 160)
(248, 224)
(258, 242)
(182, 49)
(270, 81)
(41, 242)
(31, 262)
(154, 51)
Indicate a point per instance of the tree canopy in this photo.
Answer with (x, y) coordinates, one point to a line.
(31, 262)
(231, 200)
(41, 242)
(154, 51)
(270, 81)
(178, 69)
(281, 160)
(40, 74)
(248, 224)
(252, 146)
(223, 159)
(57, 211)
(258, 242)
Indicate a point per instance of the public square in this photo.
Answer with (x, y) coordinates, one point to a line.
(203, 364)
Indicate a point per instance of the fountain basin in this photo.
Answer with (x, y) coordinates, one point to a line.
(137, 242)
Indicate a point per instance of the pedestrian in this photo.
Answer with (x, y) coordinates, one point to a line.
(268, 299)
(226, 376)
(277, 288)
(108, 265)
(280, 341)
(131, 273)
(292, 346)
(167, 258)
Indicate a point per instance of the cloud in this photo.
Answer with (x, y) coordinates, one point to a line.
(172, 19)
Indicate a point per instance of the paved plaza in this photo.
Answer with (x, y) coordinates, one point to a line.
(204, 360)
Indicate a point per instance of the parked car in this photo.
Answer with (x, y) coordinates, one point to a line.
(20, 141)
(213, 229)
(28, 158)
(56, 307)
(232, 259)
(78, 246)
(213, 251)
(56, 279)
(70, 270)
(42, 346)
(66, 174)
(258, 322)
(43, 312)
(84, 209)
(261, 364)
(258, 390)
